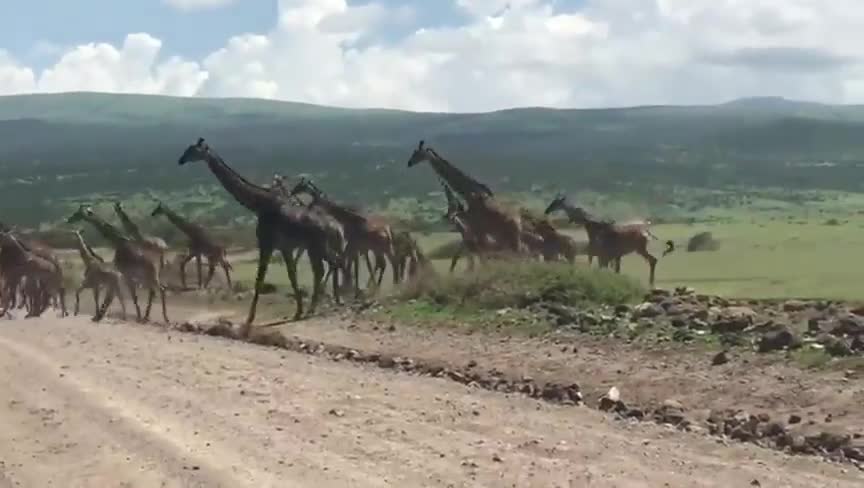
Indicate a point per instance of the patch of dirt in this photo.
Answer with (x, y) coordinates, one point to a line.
(128, 405)
(743, 394)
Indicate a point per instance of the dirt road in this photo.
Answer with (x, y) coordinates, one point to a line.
(117, 405)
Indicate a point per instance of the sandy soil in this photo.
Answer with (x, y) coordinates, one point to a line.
(136, 406)
(827, 400)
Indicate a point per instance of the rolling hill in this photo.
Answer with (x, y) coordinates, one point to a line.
(79, 143)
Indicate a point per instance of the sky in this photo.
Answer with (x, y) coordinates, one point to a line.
(439, 55)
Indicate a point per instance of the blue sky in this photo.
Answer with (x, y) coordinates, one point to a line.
(30, 28)
(447, 55)
(33, 23)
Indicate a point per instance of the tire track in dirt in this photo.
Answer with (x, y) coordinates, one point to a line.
(122, 439)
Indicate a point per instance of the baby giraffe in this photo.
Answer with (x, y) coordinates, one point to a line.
(97, 275)
(44, 279)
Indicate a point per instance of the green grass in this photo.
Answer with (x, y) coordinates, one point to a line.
(518, 284)
(766, 259)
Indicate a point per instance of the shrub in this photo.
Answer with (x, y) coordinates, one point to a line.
(506, 283)
(703, 241)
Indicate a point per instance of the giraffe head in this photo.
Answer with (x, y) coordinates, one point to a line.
(305, 185)
(83, 212)
(159, 210)
(422, 153)
(118, 206)
(558, 203)
(196, 152)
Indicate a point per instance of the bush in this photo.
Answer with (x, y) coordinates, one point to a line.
(505, 283)
(703, 241)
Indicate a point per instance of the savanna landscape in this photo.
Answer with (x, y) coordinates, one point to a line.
(742, 364)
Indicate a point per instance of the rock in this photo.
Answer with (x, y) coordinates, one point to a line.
(678, 323)
(782, 339)
(733, 319)
(671, 412)
(270, 338)
(828, 441)
(386, 362)
(701, 314)
(813, 327)
(834, 346)
(794, 305)
(794, 419)
(221, 330)
(622, 309)
(848, 325)
(720, 358)
(857, 344)
(611, 401)
(855, 451)
(647, 310)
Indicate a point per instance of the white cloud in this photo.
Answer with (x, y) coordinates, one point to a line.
(197, 4)
(509, 53)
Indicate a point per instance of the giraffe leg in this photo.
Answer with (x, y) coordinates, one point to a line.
(198, 268)
(103, 309)
(291, 267)
(183, 262)
(456, 256)
(134, 294)
(151, 294)
(61, 296)
(226, 269)
(652, 263)
(317, 264)
(119, 292)
(211, 270)
(265, 252)
(95, 298)
(78, 298)
(164, 305)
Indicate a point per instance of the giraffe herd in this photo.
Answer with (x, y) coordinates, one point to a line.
(334, 237)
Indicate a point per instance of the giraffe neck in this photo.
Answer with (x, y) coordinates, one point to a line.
(108, 231)
(193, 231)
(16, 245)
(339, 212)
(469, 188)
(248, 194)
(130, 227)
(88, 255)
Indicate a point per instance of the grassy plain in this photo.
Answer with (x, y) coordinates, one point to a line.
(763, 259)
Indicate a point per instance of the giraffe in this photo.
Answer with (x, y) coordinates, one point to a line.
(98, 274)
(138, 263)
(364, 233)
(155, 243)
(609, 241)
(487, 217)
(471, 245)
(335, 230)
(408, 255)
(550, 244)
(200, 243)
(12, 282)
(43, 278)
(279, 227)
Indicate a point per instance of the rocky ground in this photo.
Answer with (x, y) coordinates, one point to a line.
(785, 375)
(139, 406)
(681, 390)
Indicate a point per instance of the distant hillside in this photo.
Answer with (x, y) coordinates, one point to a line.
(79, 143)
(131, 129)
